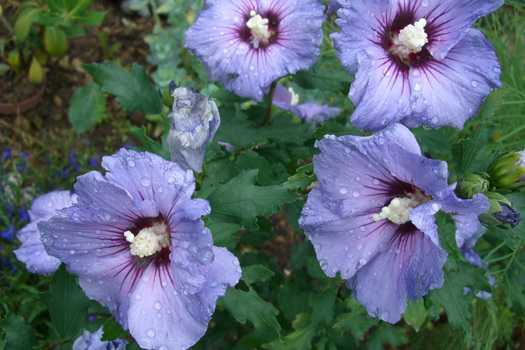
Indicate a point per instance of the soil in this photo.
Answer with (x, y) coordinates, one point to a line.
(48, 121)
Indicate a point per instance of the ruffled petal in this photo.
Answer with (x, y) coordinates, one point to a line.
(362, 23)
(379, 76)
(448, 21)
(32, 252)
(449, 92)
(410, 266)
(150, 177)
(162, 316)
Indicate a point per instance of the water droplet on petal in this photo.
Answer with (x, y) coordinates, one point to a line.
(145, 181)
(138, 296)
(356, 194)
(359, 247)
(343, 190)
(417, 87)
(151, 333)
(158, 305)
(474, 83)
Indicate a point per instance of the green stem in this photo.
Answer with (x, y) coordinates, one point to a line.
(155, 13)
(268, 118)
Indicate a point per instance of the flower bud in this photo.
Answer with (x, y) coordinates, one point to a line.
(471, 184)
(36, 73)
(507, 171)
(501, 211)
(195, 120)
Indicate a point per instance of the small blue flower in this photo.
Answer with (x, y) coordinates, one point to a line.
(416, 62)
(309, 111)
(7, 154)
(92, 341)
(248, 44)
(9, 232)
(23, 214)
(195, 121)
(371, 217)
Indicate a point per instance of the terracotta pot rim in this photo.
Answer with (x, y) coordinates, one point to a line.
(24, 106)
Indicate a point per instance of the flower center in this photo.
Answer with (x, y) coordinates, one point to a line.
(149, 240)
(295, 97)
(398, 211)
(410, 39)
(259, 29)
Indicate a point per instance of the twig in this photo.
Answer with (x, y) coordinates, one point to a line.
(52, 346)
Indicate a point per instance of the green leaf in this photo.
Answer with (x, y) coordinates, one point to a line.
(469, 155)
(283, 128)
(256, 273)
(67, 305)
(303, 178)
(332, 127)
(415, 314)
(300, 339)
(112, 330)
(492, 104)
(87, 107)
(222, 232)
(134, 91)
(90, 18)
(241, 201)
(292, 300)
(322, 78)
(435, 142)
(248, 306)
(18, 334)
(323, 306)
(251, 160)
(238, 130)
(357, 321)
(151, 145)
(24, 22)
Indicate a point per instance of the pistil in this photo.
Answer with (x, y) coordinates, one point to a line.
(410, 39)
(149, 240)
(259, 29)
(399, 208)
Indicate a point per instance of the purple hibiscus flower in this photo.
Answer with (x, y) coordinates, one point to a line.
(137, 243)
(371, 217)
(288, 100)
(248, 44)
(416, 62)
(195, 121)
(32, 252)
(92, 341)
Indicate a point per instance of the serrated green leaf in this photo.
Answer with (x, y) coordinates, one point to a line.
(149, 144)
(217, 172)
(469, 156)
(332, 127)
(435, 142)
(67, 305)
(251, 160)
(87, 107)
(415, 314)
(112, 330)
(292, 301)
(322, 78)
(256, 273)
(222, 232)
(357, 321)
(492, 104)
(283, 128)
(303, 178)
(238, 130)
(249, 306)
(18, 334)
(323, 306)
(241, 201)
(300, 339)
(134, 90)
